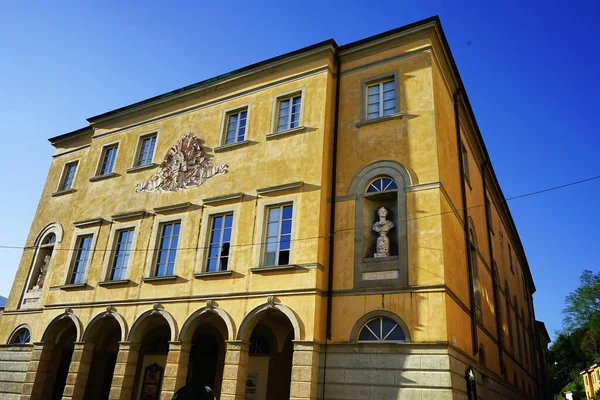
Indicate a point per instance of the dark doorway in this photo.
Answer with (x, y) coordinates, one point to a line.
(106, 336)
(207, 358)
(62, 352)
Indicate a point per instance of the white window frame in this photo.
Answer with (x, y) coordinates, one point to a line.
(73, 253)
(224, 123)
(112, 241)
(138, 148)
(156, 229)
(264, 207)
(207, 220)
(277, 99)
(63, 175)
(380, 79)
(103, 150)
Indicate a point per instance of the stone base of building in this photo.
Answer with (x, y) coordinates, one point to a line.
(13, 370)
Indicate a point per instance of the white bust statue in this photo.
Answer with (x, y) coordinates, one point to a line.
(383, 226)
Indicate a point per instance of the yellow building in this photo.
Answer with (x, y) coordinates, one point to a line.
(591, 380)
(323, 224)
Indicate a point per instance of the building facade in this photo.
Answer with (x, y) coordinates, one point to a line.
(324, 224)
(591, 380)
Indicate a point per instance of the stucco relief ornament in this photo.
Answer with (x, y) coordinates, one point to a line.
(186, 165)
(383, 226)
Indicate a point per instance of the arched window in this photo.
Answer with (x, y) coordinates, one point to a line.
(50, 239)
(160, 345)
(259, 345)
(381, 329)
(22, 336)
(382, 184)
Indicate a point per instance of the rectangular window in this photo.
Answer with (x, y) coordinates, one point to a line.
(235, 130)
(109, 155)
(381, 99)
(278, 235)
(288, 112)
(167, 249)
(510, 260)
(120, 261)
(488, 213)
(476, 284)
(68, 176)
(465, 161)
(220, 240)
(146, 150)
(82, 256)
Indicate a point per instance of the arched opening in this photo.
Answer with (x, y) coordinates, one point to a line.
(207, 334)
(105, 335)
(21, 335)
(270, 356)
(41, 263)
(60, 339)
(153, 334)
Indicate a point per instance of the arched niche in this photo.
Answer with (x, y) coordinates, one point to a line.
(372, 190)
(44, 245)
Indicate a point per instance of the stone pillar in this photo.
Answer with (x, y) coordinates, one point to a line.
(235, 371)
(124, 375)
(176, 369)
(305, 370)
(37, 372)
(79, 370)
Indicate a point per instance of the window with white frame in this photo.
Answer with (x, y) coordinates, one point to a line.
(288, 112)
(278, 235)
(381, 329)
(122, 254)
(107, 162)
(23, 336)
(145, 154)
(235, 126)
(167, 249)
(68, 176)
(219, 243)
(83, 248)
(381, 98)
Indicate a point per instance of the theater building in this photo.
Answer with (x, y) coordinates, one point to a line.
(325, 224)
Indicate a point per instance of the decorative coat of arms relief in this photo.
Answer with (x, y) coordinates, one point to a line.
(186, 165)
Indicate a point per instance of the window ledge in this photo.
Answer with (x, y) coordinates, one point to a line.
(63, 192)
(220, 199)
(112, 283)
(141, 167)
(103, 177)
(380, 119)
(172, 208)
(213, 274)
(287, 132)
(73, 286)
(280, 268)
(159, 278)
(231, 146)
(380, 259)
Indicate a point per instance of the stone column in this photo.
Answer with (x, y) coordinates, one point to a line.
(176, 369)
(37, 372)
(235, 371)
(305, 370)
(79, 370)
(124, 375)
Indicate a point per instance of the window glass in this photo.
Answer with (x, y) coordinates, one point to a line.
(23, 336)
(124, 240)
(278, 235)
(108, 160)
(236, 127)
(69, 176)
(50, 239)
(288, 116)
(220, 241)
(381, 99)
(381, 329)
(146, 154)
(82, 255)
(167, 249)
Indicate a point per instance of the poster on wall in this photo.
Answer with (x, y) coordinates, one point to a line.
(251, 384)
(152, 381)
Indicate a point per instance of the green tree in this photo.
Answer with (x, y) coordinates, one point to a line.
(590, 345)
(583, 305)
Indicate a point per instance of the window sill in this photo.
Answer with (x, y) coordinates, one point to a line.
(73, 286)
(380, 119)
(63, 192)
(141, 167)
(380, 259)
(277, 268)
(114, 283)
(215, 274)
(287, 132)
(231, 146)
(103, 177)
(159, 278)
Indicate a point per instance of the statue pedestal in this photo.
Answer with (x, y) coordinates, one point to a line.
(31, 298)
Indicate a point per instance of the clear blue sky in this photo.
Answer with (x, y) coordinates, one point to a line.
(530, 70)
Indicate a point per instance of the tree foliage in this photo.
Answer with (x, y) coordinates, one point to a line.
(583, 305)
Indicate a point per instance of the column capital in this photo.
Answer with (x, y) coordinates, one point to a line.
(239, 345)
(306, 345)
(129, 346)
(181, 346)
